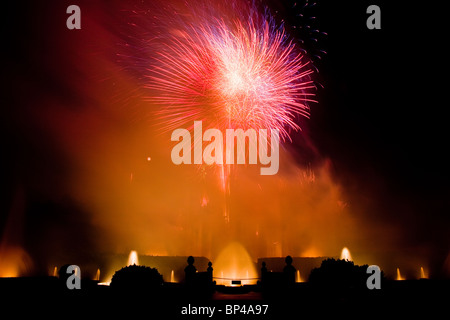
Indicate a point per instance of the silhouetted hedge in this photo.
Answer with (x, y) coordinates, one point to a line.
(339, 274)
(139, 278)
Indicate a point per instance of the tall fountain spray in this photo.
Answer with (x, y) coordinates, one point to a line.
(133, 258)
(97, 275)
(399, 276)
(345, 254)
(422, 273)
(297, 276)
(234, 263)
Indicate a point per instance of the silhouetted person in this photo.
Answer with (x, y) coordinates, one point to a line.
(190, 270)
(263, 272)
(209, 270)
(289, 271)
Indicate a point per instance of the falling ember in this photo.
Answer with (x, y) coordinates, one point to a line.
(55, 271)
(133, 258)
(172, 276)
(345, 254)
(399, 276)
(422, 273)
(97, 275)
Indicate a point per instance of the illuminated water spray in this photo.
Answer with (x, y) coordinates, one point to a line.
(97, 275)
(345, 254)
(133, 258)
(234, 263)
(297, 277)
(422, 273)
(399, 276)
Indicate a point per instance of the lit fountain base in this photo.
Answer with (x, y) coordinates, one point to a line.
(234, 267)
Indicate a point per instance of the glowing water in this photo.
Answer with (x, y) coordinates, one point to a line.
(133, 258)
(422, 273)
(97, 275)
(345, 254)
(399, 276)
(297, 277)
(234, 263)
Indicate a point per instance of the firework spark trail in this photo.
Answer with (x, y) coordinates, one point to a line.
(235, 73)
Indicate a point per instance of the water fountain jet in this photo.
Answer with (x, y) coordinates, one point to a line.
(297, 276)
(234, 263)
(399, 276)
(345, 254)
(133, 258)
(422, 273)
(97, 275)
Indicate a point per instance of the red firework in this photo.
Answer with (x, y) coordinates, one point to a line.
(237, 73)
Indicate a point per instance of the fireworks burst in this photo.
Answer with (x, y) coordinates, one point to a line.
(232, 73)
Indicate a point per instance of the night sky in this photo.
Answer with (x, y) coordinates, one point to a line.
(378, 122)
